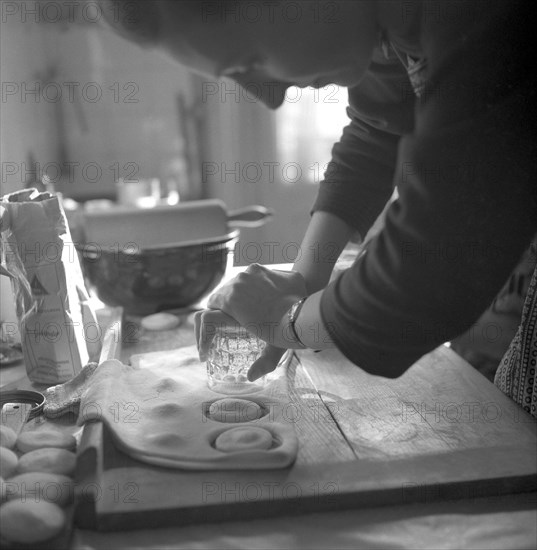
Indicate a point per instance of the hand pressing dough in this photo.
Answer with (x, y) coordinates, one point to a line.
(38, 486)
(244, 438)
(30, 522)
(234, 410)
(30, 441)
(8, 462)
(7, 437)
(49, 460)
(160, 321)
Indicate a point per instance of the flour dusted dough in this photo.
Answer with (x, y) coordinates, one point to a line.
(8, 462)
(7, 437)
(157, 411)
(49, 460)
(244, 438)
(30, 522)
(30, 441)
(36, 486)
(234, 410)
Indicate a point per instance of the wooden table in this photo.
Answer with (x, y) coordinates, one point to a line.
(426, 512)
(402, 423)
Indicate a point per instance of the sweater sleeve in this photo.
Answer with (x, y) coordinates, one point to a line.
(359, 179)
(467, 203)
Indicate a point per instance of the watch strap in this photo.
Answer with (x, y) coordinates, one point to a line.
(292, 316)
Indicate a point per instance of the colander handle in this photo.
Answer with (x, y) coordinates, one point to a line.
(250, 216)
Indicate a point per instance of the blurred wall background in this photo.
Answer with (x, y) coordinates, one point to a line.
(87, 108)
(90, 110)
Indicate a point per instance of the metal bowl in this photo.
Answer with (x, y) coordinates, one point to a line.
(158, 278)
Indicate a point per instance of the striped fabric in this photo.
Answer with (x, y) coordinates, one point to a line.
(516, 373)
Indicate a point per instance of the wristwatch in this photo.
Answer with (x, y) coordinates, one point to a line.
(292, 316)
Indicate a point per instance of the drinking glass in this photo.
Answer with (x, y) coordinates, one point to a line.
(231, 354)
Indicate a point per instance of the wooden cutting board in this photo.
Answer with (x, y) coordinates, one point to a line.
(441, 431)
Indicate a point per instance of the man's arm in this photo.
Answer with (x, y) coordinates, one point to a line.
(323, 242)
(467, 204)
(355, 190)
(359, 180)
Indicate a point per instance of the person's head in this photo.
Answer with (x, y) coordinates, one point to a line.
(272, 43)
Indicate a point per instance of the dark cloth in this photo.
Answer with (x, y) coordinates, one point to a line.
(464, 160)
(485, 343)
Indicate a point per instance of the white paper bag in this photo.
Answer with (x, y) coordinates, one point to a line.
(48, 285)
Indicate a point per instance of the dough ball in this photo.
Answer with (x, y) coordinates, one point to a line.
(7, 437)
(160, 321)
(41, 486)
(234, 410)
(30, 522)
(30, 441)
(53, 461)
(8, 462)
(244, 438)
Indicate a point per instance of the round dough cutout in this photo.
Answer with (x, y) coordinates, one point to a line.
(30, 522)
(7, 437)
(244, 438)
(37, 486)
(30, 441)
(8, 462)
(234, 410)
(49, 460)
(160, 321)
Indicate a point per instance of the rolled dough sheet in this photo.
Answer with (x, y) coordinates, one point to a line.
(157, 412)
